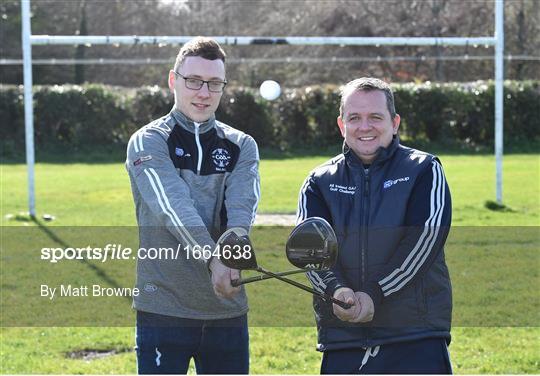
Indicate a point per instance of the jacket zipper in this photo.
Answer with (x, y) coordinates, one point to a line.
(365, 224)
(199, 148)
(365, 221)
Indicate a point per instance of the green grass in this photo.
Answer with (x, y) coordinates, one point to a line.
(273, 350)
(99, 194)
(495, 270)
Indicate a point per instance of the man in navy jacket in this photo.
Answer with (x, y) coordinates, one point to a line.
(391, 210)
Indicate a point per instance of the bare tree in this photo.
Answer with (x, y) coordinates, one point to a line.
(278, 18)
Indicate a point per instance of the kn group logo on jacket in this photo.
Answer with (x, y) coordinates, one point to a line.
(389, 183)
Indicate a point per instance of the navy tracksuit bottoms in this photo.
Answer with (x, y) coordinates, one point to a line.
(165, 345)
(426, 356)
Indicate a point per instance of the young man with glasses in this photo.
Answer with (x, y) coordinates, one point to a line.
(192, 178)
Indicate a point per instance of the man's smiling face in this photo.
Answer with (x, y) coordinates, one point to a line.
(198, 105)
(366, 123)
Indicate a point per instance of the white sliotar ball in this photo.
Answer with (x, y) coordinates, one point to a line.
(270, 90)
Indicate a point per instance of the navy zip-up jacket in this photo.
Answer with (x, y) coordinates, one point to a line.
(391, 220)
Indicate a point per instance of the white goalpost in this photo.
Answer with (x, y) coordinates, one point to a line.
(497, 40)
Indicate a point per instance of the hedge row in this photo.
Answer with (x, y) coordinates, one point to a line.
(76, 116)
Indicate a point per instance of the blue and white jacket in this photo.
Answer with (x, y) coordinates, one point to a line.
(391, 220)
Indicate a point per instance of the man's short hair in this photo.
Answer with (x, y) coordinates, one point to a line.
(368, 84)
(207, 48)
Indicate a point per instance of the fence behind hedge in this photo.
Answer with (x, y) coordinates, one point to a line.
(457, 113)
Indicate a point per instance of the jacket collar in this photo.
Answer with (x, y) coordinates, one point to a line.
(383, 154)
(189, 125)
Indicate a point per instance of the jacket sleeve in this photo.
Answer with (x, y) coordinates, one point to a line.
(312, 204)
(427, 223)
(161, 188)
(242, 191)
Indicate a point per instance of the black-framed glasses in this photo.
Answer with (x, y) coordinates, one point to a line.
(197, 84)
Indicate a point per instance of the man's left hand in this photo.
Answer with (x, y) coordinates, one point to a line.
(346, 295)
(367, 308)
(221, 279)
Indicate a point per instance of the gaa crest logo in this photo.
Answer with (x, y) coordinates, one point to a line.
(221, 158)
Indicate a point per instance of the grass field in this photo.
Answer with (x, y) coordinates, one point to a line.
(495, 271)
(99, 194)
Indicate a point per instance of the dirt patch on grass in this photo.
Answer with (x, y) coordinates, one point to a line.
(92, 354)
